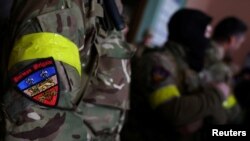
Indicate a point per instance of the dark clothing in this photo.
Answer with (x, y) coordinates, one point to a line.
(241, 90)
(169, 102)
(187, 27)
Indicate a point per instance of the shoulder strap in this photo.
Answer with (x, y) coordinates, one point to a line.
(92, 43)
(90, 67)
(86, 81)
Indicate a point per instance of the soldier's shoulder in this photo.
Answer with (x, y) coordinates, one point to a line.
(159, 57)
(155, 54)
(220, 65)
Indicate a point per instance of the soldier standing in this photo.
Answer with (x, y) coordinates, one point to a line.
(72, 41)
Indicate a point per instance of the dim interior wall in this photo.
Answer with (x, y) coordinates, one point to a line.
(221, 8)
(148, 18)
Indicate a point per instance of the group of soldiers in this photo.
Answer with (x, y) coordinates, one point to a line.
(182, 88)
(80, 45)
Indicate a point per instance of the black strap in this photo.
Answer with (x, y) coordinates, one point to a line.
(91, 65)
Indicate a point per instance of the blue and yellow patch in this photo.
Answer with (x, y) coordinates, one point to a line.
(39, 82)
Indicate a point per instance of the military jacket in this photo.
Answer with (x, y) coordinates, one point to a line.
(91, 105)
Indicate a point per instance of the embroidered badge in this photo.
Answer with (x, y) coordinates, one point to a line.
(39, 82)
(159, 74)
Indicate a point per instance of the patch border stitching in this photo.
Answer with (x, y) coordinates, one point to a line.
(31, 97)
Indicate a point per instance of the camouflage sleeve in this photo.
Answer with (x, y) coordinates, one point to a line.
(213, 54)
(157, 74)
(218, 72)
(186, 110)
(221, 73)
(166, 98)
(115, 45)
(112, 76)
(106, 100)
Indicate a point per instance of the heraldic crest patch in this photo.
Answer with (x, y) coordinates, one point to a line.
(39, 82)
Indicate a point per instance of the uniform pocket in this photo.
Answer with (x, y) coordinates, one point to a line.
(67, 22)
(111, 86)
(70, 84)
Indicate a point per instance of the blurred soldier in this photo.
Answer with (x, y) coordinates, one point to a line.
(68, 71)
(176, 105)
(228, 36)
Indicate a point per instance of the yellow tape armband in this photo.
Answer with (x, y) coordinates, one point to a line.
(230, 102)
(163, 94)
(44, 45)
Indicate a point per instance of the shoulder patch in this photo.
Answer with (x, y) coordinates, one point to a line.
(39, 82)
(159, 74)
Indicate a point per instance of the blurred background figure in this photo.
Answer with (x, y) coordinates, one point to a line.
(237, 57)
(242, 91)
(169, 102)
(230, 9)
(141, 47)
(229, 35)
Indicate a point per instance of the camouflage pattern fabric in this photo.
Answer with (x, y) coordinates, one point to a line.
(106, 100)
(218, 71)
(110, 86)
(28, 16)
(100, 114)
(215, 69)
(27, 120)
(39, 123)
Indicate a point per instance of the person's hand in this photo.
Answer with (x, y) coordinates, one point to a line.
(223, 88)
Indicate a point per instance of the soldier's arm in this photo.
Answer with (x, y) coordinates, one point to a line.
(186, 109)
(177, 108)
(220, 72)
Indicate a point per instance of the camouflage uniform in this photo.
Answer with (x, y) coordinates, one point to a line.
(179, 103)
(218, 71)
(106, 100)
(94, 104)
